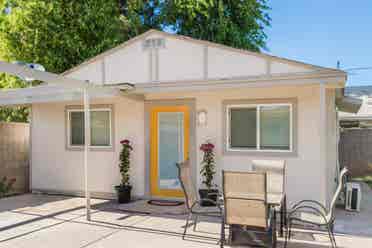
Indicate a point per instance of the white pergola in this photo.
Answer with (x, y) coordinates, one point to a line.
(59, 88)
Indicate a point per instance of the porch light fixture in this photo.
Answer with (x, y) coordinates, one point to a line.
(202, 118)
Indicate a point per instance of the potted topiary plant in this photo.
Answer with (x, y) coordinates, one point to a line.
(207, 172)
(124, 189)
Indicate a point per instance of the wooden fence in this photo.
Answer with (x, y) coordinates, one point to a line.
(355, 151)
(14, 154)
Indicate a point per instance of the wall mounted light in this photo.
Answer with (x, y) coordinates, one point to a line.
(202, 118)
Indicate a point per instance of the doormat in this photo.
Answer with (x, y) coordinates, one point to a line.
(165, 203)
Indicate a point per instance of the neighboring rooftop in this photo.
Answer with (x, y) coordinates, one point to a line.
(358, 91)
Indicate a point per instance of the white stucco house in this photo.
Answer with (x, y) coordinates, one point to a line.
(173, 94)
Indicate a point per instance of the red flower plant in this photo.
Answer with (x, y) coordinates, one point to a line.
(126, 143)
(208, 164)
(207, 147)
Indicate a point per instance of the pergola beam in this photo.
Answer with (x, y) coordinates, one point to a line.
(48, 77)
(65, 82)
(86, 149)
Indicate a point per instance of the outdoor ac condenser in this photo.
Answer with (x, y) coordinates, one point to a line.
(353, 196)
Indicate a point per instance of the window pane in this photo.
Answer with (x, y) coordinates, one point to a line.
(100, 128)
(275, 127)
(243, 128)
(77, 128)
(170, 149)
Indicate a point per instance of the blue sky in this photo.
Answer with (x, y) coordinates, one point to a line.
(323, 31)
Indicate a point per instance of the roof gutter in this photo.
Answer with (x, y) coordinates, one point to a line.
(331, 79)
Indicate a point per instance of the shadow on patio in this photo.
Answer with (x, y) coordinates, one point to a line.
(41, 221)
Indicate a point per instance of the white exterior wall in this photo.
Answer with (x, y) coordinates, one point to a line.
(180, 59)
(92, 72)
(127, 65)
(187, 65)
(55, 168)
(306, 176)
(58, 169)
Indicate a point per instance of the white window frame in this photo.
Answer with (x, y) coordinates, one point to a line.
(69, 111)
(258, 145)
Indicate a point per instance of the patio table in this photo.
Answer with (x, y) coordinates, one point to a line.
(274, 200)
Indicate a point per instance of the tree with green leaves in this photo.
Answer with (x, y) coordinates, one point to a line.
(57, 34)
(238, 24)
(60, 34)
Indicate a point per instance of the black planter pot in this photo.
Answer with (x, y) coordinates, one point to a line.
(123, 193)
(211, 194)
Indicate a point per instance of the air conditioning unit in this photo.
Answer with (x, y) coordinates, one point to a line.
(353, 196)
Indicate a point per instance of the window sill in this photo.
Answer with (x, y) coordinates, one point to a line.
(91, 149)
(258, 153)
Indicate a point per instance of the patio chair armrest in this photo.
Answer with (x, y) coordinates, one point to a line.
(214, 193)
(207, 200)
(310, 203)
(309, 208)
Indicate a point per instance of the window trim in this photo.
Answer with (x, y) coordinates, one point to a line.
(71, 109)
(229, 104)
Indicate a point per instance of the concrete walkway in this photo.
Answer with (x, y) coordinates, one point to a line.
(357, 223)
(55, 221)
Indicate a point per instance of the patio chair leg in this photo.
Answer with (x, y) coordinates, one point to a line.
(331, 237)
(287, 234)
(186, 225)
(230, 234)
(334, 239)
(332, 227)
(285, 211)
(290, 230)
(286, 238)
(282, 220)
(195, 222)
(273, 233)
(222, 239)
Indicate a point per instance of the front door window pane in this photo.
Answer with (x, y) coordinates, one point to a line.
(170, 148)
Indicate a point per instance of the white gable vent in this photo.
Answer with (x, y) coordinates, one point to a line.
(153, 43)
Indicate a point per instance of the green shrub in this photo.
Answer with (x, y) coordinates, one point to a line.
(6, 186)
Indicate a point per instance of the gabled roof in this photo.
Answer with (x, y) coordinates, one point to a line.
(203, 42)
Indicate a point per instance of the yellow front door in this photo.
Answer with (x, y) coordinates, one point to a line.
(169, 132)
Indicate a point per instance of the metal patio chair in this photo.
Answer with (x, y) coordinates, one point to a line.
(314, 213)
(192, 201)
(245, 205)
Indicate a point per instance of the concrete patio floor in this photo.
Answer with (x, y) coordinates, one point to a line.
(56, 221)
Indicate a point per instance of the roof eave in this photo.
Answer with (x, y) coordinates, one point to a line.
(331, 80)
